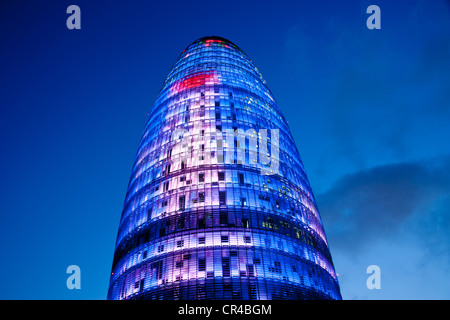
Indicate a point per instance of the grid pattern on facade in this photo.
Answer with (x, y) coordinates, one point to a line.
(206, 215)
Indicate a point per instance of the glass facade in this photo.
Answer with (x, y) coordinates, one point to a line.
(218, 205)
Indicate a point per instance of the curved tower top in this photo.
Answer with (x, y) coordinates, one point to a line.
(219, 205)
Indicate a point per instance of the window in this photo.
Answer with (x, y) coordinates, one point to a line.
(241, 178)
(201, 264)
(181, 203)
(247, 239)
(276, 268)
(243, 201)
(250, 270)
(217, 116)
(180, 243)
(201, 240)
(166, 186)
(201, 177)
(224, 239)
(183, 178)
(201, 197)
(222, 197)
(201, 225)
(160, 248)
(223, 217)
(181, 222)
(183, 165)
(179, 264)
(149, 213)
(226, 267)
(221, 176)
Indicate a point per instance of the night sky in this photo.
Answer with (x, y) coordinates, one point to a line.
(369, 111)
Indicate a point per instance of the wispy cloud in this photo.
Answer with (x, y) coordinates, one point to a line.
(379, 202)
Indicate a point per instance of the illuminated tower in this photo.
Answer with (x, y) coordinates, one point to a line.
(218, 205)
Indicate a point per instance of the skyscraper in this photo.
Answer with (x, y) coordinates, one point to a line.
(218, 205)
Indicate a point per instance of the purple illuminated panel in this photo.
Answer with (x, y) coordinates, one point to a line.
(218, 204)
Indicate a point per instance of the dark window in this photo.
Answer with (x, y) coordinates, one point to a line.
(222, 197)
(221, 176)
(224, 239)
(181, 222)
(180, 243)
(247, 239)
(201, 177)
(223, 217)
(241, 178)
(181, 203)
(250, 270)
(201, 197)
(201, 264)
(201, 240)
(226, 267)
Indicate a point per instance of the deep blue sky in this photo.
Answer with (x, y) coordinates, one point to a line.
(369, 110)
